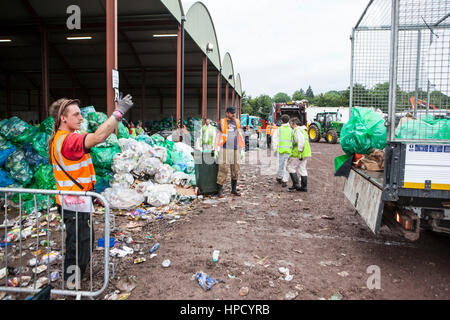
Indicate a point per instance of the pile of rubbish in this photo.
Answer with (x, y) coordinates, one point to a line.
(149, 172)
(129, 171)
(24, 159)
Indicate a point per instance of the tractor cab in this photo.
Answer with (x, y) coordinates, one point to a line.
(326, 125)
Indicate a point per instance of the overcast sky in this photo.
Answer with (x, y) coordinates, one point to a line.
(285, 45)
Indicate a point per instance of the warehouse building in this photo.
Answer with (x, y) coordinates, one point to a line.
(167, 56)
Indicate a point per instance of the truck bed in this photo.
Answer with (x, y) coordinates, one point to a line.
(376, 177)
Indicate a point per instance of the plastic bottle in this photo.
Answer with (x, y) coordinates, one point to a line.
(154, 248)
(216, 255)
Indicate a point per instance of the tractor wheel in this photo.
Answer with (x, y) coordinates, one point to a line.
(332, 136)
(314, 133)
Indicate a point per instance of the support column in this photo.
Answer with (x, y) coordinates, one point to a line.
(232, 97)
(143, 98)
(219, 94)
(8, 96)
(204, 88)
(227, 88)
(240, 106)
(179, 74)
(44, 65)
(111, 53)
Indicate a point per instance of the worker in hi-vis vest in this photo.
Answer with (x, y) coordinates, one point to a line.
(208, 135)
(301, 151)
(73, 171)
(284, 149)
(231, 144)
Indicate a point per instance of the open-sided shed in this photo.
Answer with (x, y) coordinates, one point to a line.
(41, 59)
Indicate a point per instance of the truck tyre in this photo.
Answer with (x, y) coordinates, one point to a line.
(331, 136)
(314, 133)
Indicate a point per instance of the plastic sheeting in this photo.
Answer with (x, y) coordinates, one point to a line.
(363, 132)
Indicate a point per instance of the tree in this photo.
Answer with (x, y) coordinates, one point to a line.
(298, 95)
(281, 97)
(247, 104)
(263, 106)
(309, 94)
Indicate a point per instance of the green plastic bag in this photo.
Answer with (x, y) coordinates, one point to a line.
(123, 132)
(27, 136)
(14, 128)
(363, 132)
(5, 144)
(86, 110)
(103, 157)
(43, 202)
(147, 139)
(84, 127)
(158, 140)
(3, 123)
(111, 141)
(103, 172)
(21, 172)
(40, 144)
(47, 126)
(44, 178)
(16, 156)
(96, 119)
(438, 129)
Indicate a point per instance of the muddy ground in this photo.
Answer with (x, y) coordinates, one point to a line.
(265, 229)
(325, 257)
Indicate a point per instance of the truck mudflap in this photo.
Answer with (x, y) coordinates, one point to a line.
(366, 196)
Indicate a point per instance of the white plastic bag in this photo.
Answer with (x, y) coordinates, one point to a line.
(122, 180)
(164, 174)
(181, 179)
(147, 166)
(159, 152)
(138, 147)
(144, 187)
(160, 195)
(125, 162)
(122, 198)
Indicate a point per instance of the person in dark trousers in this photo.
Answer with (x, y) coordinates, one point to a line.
(73, 171)
(231, 143)
(247, 134)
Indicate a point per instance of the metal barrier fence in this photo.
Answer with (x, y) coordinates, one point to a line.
(37, 225)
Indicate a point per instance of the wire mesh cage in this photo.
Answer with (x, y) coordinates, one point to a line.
(400, 66)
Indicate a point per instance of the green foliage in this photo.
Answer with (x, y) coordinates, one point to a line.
(281, 97)
(298, 95)
(309, 94)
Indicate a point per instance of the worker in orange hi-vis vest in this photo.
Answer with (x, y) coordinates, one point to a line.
(269, 136)
(73, 171)
(231, 143)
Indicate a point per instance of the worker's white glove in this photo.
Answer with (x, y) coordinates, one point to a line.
(242, 154)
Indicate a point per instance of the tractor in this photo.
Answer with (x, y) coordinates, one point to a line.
(326, 125)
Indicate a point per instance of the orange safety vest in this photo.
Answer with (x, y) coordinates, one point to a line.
(224, 132)
(274, 129)
(268, 130)
(81, 170)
